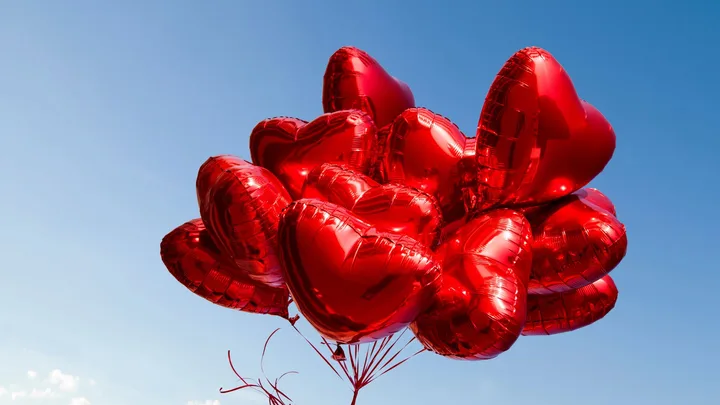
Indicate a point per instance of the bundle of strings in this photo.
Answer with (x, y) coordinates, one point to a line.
(364, 363)
(360, 366)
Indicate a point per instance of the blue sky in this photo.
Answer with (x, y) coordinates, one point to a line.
(107, 111)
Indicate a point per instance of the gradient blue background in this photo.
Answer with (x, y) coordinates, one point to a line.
(107, 111)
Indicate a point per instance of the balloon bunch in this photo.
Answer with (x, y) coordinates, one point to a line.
(379, 215)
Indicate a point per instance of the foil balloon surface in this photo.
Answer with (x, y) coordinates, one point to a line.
(390, 207)
(192, 258)
(597, 198)
(240, 204)
(536, 139)
(379, 216)
(568, 311)
(351, 282)
(576, 242)
(480, 309)
(424, 150)
(290, 148)
(355, 80)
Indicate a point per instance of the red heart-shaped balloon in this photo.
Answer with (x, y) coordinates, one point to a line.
(481, 307)
(193, 259)
(536, 139)
(389, 207)
(290, 148)
(424, 150)
(240, 204)
(576, 242)
(353, 283)
(571, 310)
(354, 80)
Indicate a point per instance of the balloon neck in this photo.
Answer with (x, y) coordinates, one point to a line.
(293, 319)
(339, 354)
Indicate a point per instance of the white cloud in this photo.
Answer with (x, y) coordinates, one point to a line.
(31, 374)
(17, 394)
(206, 402)
(3, 391)
(79, 401)
(92, 382)
(65, 382)
(46, 393)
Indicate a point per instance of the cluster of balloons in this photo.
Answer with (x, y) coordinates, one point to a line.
(379, 215)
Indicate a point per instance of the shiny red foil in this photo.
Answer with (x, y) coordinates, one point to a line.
(536, 139)
(390, 207)
(290, 148)
(240, 204)
(379, 215)
(480, 309)
(351, 282)
(192, 258)
(576, 242)
(568, 311)
(424, 150)
(355, 80)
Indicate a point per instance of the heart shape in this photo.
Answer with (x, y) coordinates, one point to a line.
(353, 283)
(240, 204)
(424, 150)
(536, 139)
(193, 259)
(355, 80)
(290, 148)
(571, 310)
(389, 207)
(480, 309)
(576, 242)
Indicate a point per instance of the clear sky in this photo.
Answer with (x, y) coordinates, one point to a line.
(107, 111)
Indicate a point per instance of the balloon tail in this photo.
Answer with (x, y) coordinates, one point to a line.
(362, 364)
(263, 385)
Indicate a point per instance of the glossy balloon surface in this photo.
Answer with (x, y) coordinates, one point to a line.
(379, 215)
(575, 242)
(596, 197)
(423, 150)
(536, 139)
(353, 283)
(193, 259)
(290, 148)
(355, 80)
(390, 207)
(568, 311)
(241, 210)
(481, 307)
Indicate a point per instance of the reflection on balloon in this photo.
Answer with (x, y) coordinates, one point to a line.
(568, 311)
(480, 310)
(537, 140)
(576, 242)
(390, 207)
(355, 80)
(424, 150)
(241, 209)
(193, 259)
(290, 148)
(353, 283)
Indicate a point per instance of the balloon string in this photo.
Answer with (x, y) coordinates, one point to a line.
(361, 369)
(276, 396)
